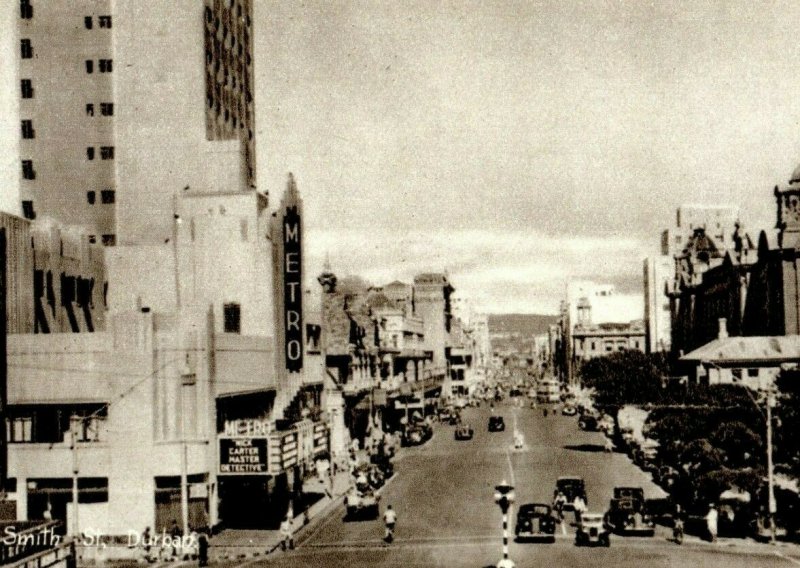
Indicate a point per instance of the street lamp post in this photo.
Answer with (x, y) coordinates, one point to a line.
(504, 497)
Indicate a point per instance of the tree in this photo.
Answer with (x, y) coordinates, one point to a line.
(741, 447)
(625, 377)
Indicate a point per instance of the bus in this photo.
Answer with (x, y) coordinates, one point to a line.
(548, 391)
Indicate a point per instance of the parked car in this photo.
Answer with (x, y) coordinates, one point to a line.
(464, 432)
(416, 435)
(629, 516)
(496, 424)
(535, 521)
(362, 504)
(592, 530)
(571, 487)
(666, 476)
(587, 422)
(384, 463)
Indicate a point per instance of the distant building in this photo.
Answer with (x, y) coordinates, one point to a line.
(590, 303)
(658, 273)
(752, 287)
(754, 361)
(590, 341)
(719, 223)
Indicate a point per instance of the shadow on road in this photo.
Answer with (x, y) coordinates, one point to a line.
(585, 448)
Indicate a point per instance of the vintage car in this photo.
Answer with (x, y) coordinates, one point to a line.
(362, 504)
(587, 422)
(416, 435)
(592, 530)
(571, 487)
(496, 424)
(464, 432)
(629, 493)
(629, 516)
(535, 521)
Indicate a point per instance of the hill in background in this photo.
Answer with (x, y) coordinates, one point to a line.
(523, 324)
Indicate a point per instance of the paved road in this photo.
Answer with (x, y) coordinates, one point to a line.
(447, 517)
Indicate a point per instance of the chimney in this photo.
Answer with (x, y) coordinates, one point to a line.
(723, 328)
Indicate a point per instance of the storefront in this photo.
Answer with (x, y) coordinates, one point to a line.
(261, 471)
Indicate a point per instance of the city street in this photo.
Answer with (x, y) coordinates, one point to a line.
(443, 494)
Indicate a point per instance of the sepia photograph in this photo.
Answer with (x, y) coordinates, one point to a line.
(399, 283)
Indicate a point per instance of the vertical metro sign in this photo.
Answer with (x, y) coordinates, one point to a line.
(293, 289)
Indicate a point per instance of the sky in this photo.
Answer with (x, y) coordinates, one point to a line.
(518, 145)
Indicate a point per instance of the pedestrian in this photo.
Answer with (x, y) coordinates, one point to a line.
(146, 545)
(287, 534)
(176, 535)
(202, 547)
(712, 518)
(390, 520)
(579, 506)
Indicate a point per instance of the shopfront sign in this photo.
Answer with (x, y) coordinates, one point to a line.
(243, 456)
(292, 290)
(246, 428)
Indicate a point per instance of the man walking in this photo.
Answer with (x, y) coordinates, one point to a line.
(287, 533)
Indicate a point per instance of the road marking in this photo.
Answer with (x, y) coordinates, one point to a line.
(510, 468)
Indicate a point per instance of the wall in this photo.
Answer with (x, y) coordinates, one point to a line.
(161, 131)
(63, 130)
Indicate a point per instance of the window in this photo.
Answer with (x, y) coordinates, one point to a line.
(104, 65)
(106, 152)
(89, 66)
(20, 429)
(107, 109)
(737, 374)
(92, 239)
(27, 210)
(87, 21)
(27, 130)
(752, 372)
(92, 489)
(88, 428)
(26, 49)
(107, 196)
(104, 21)
(109, 240)
(233, 315)
(27, 89)
(25, 9)
(90, 153)
(90, 197)
(27, 169)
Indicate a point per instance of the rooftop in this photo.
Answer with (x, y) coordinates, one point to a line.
(755, 348)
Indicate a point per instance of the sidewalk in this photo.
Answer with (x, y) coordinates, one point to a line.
(240, 544)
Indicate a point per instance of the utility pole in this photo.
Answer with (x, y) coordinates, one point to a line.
(74, 426)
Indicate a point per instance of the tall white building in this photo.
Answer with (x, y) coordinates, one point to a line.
(120, 106)
(719, 222)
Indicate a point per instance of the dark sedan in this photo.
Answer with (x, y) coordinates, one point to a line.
(535, 521)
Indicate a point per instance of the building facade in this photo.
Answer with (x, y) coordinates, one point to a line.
(101, 84)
